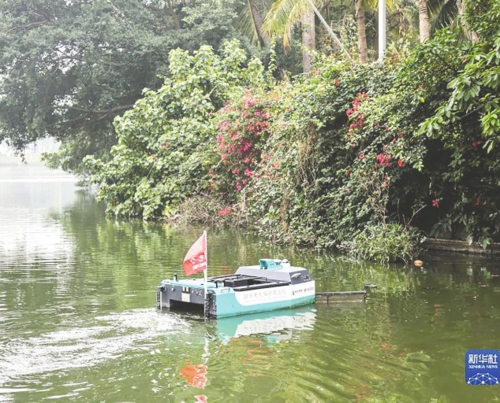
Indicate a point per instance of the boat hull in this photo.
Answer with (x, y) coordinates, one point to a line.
(222, 302)
(252, 289)
(233, 303)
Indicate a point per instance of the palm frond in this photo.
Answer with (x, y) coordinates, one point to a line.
(434, 6)
(283, 15)
(446, 16)
(247, 24)
(391, 5)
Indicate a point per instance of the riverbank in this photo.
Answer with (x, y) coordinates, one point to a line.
(456, 246)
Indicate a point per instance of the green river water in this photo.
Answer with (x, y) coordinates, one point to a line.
(78, 321)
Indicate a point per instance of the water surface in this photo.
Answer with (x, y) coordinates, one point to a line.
(78, 320)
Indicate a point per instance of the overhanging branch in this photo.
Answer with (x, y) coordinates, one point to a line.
(96, 111)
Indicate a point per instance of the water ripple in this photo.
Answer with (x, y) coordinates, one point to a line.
(84, 345)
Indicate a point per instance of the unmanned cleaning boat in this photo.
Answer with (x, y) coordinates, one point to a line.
(271, 285)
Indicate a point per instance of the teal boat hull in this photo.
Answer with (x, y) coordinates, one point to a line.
(252, 289)
(231, 303)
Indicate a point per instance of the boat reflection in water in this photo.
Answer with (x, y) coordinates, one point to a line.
(277, 325)
(251, 335)
(239, 345)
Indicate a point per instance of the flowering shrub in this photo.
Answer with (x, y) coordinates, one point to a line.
(324, 157)
(165, 143)
(243, 129)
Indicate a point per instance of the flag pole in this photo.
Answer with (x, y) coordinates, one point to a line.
(205, 272)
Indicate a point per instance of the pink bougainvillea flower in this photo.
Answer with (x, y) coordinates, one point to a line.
(238, 186)
(400, 163)
(435, 203)
(478, 202)
(383, 159)
(225, 211)
(361, 156)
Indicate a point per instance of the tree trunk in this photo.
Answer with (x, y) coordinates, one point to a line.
(360, 19)
(471, 34)
(176, 17)
(308, 39)
(423, 21)
(257, 20)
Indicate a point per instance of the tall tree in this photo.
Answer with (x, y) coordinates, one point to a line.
(256, 21)
(308, 38)
(360, 20)
(68, 68)
(250, 17)
(285, 14)
(471, 34)
(444, 13)
(423, 21)
(361, 6)
(282, 17)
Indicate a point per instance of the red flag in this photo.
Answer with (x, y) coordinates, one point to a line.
(196, 258)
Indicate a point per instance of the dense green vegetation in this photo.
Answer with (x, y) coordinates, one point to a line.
(363, 157)
(68, 68)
